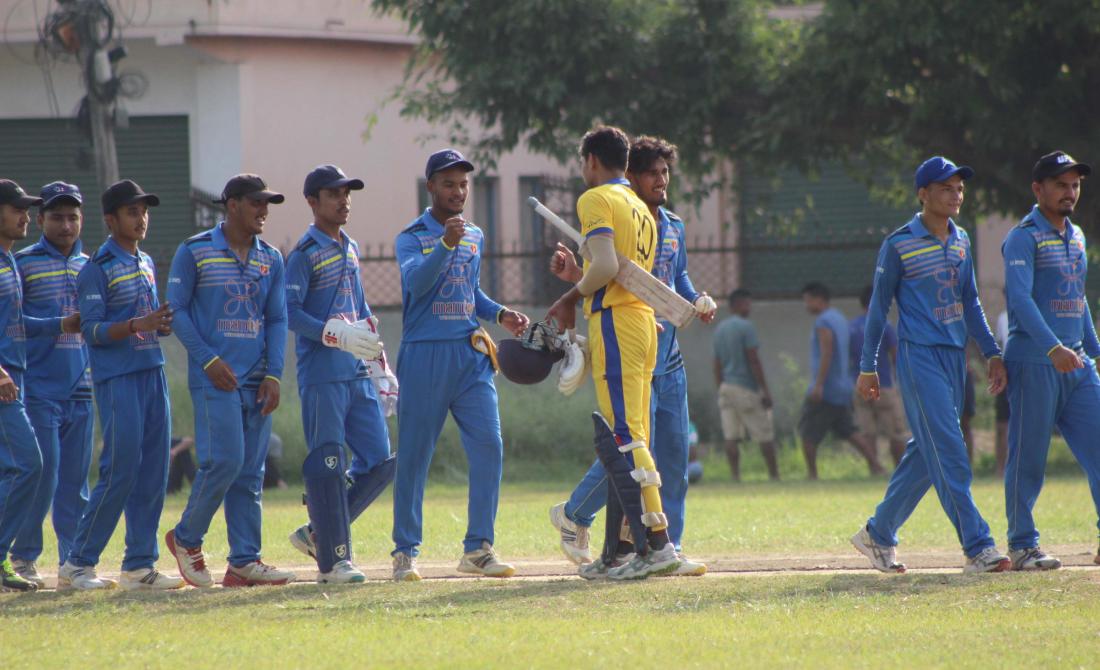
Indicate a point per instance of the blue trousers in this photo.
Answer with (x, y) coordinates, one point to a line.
(1040, 398)
(436, 378)
(64, 429)
(669, 425)
(231, 436)
(347, 413)
(932, 380)
(136, 419)
(20, 466)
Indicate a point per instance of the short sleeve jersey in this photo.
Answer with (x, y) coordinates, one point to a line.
(614, 208)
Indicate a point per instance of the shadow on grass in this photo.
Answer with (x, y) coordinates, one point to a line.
(556, 597)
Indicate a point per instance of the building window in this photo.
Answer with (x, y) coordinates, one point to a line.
(422, 200)
(486, 216)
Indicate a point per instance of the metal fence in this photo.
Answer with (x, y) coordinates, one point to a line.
(519, 274)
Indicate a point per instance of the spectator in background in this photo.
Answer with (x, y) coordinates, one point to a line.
(273, 477)
(695, 464)
(181, 464)
(1000, 401)
(883, 418)
(828, 405)
(744, 402)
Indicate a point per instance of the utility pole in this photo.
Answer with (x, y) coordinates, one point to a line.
(101, 116)
(97, 72)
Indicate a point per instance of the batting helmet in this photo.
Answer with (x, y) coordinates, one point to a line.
(530, 359)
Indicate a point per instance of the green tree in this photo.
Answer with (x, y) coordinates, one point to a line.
(988, 83)
(542, 72)
(876, 86)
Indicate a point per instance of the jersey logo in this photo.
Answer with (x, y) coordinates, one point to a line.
(1073, 278)
(343, 300)
(241, 296)
(456, 285)
(948, 281)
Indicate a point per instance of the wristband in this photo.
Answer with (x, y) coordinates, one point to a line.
(445, 245)
(274, 379)
(130, 326)
(1054, 347)
(868, 374)
(210, 362)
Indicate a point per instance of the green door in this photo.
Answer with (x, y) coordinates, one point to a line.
(154, 151)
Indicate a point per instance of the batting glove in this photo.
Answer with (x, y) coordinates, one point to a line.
(352, 338)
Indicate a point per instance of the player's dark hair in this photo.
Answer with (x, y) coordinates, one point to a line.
(739, 294)
(646, 150)
(608, 144)
(865, 296)
(816, 289)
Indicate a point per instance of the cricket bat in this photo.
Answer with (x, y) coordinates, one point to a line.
(666, 302)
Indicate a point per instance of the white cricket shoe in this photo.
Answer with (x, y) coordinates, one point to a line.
(484, 562)
(256, 573)
(574, 538)
(655, 562)
(1033, 558)
(190, 561)
(404, 568)
(80, 578)
(883, 558)
(302, 539)
(988, 560)
(689, 568)
(148, 579)
(343, 572)
(28, 570)
(598, 569)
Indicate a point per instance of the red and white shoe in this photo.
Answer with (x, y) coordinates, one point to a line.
(256, 573)
(191, 562)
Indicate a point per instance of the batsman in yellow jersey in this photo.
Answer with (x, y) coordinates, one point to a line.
(622, 339)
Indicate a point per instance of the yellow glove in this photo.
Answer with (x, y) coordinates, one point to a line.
(481, 341)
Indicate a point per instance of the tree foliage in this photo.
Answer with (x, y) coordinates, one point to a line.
(989, 83)
(542, 72)
(877, 86)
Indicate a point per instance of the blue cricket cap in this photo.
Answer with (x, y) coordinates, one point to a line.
(58, 192)
(328, 176)
(447, 158)
(938, 168)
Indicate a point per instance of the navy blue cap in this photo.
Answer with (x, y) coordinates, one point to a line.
(447, 158)
(57, 192)
(13, 194)
(937, 169)
(1055, 163)
(251, 186)
(328, 176)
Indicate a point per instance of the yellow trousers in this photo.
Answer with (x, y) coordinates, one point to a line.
(623, 344)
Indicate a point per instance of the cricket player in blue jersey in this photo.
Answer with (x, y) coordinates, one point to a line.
(1052, 380)
(649, 170)
(927, 266)
(227, 292)
(20, 457)
(446, 363)
(58, 380)
(121, 321)
(338, 347)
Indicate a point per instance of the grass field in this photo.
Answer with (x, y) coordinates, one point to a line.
(837, 619)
